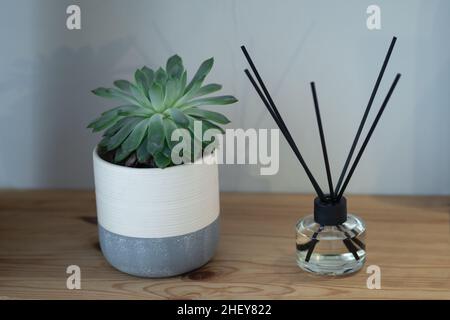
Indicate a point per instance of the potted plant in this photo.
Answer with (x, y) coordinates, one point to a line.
(158, 217)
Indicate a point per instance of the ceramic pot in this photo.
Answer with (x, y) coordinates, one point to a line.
(157, 222)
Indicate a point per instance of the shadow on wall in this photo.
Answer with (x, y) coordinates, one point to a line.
(432, 131)
(54, 146)
(59, 90)
(242, 174)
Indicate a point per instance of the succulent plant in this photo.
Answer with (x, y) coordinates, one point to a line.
(138, 133)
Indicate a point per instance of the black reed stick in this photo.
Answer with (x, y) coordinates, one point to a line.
(363, 120)
(276, 115)
(313, 243)
(369, 134)
(322, 140)
(354, 238)
(269, 108)
(279, 121)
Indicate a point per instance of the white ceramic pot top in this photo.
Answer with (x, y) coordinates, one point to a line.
(156, 203)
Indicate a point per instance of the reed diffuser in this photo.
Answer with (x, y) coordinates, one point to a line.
(330, 241)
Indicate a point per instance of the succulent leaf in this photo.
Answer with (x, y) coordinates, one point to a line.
(161, 160)
(171, 93)
(103, 122)
(135, 138)
(169, 127)
(139, 132)
(209, 88)
(156, 135)
(219, 100)
(114, 93)
(160, 77)
(121, 154)
(183, 82)
(174, 67)
(117, 139)
(142, 82)
(156, 95)
(208, 115)
(149, 74)
(201, 74)
(178, 117)
(142, 154)
(166, 151)
(122, 109)
(123, 85)
(117, 126)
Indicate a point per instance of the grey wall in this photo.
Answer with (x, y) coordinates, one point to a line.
(47, 73)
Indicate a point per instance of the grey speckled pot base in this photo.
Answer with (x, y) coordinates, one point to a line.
(159, 257)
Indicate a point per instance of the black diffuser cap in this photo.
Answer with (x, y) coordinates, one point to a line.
(329, 213)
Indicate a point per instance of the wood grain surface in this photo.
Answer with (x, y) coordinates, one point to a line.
(43, 232)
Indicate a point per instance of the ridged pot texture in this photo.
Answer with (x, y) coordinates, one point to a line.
(157, 222)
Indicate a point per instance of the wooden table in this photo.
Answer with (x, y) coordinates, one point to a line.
(43, 232)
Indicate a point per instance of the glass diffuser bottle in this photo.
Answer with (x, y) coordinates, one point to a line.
(331, 242)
